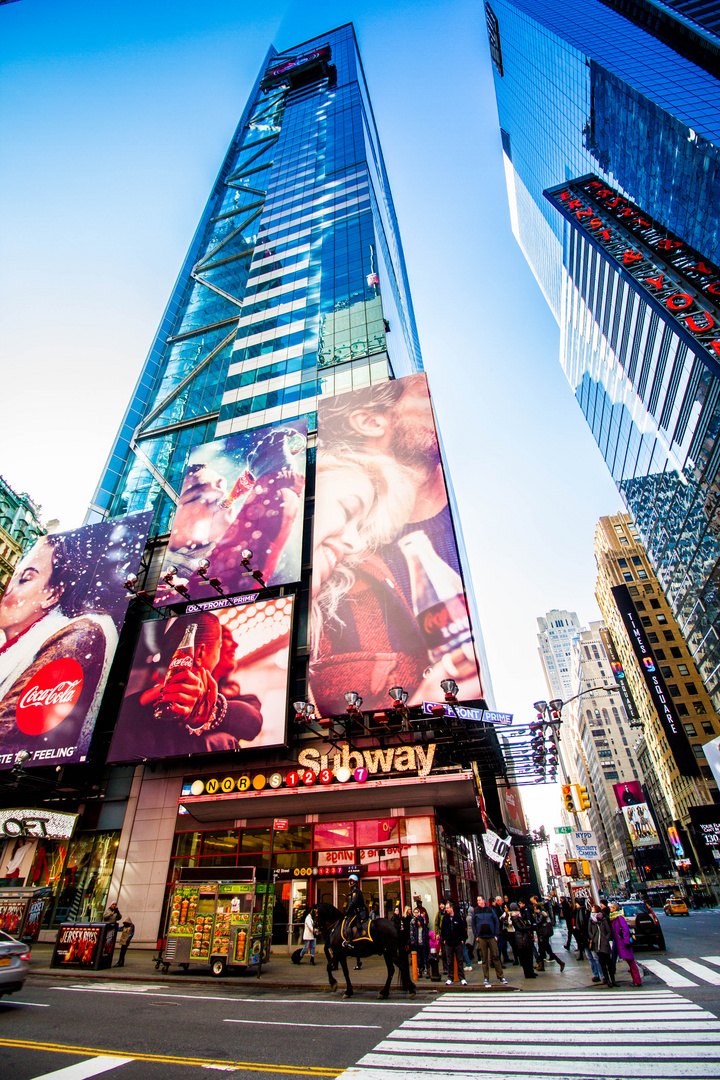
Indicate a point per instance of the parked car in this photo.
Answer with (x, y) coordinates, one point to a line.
(14, 964)
(644, 924)
(676, 905)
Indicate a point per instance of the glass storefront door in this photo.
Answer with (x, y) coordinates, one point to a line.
(391, 896)
(298, 908)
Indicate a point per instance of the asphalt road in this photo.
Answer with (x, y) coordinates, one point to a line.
(187, 1031)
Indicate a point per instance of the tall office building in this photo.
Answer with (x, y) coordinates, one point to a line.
(557, 633)
(306, 570)
(610, 121)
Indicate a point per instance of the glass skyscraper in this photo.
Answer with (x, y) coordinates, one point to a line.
(294, 285)
(596, 91)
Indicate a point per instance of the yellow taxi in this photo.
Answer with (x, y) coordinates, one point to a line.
(675, 905)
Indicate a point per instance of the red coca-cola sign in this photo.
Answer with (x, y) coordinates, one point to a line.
(49, 696)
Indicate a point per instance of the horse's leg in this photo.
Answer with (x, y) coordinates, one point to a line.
(390, 972)
(402, 963)
(330, 963)
(343, 964)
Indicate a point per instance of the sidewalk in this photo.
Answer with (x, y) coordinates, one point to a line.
(281, 974)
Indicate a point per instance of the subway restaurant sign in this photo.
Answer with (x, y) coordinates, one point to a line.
(341, 766)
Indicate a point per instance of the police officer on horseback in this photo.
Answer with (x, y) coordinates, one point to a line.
(355, 913)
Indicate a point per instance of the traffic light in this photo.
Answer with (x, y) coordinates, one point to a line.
(568, 798)
(583, 797)
(629, 846)
(585, 868)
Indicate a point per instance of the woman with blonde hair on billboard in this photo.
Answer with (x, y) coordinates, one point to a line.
(55, 609)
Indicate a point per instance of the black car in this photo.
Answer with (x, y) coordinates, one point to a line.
(643, 922)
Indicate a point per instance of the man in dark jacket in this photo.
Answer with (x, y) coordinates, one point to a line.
(453, 934)
(524, 927)
(486, 927)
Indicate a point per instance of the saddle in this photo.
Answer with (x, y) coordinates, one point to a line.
(349, 924)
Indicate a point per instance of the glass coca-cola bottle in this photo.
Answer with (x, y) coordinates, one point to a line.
(183, 659)
(438, 597)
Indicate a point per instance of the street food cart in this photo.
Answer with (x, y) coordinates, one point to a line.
(218, 922)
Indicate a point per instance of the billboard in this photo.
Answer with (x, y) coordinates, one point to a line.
(639, 821)
(705, 825)
(60, 618)
(241, 493)
(389, 606)
(512, 810)
(618, 671)
(677, 739)
(206, 682)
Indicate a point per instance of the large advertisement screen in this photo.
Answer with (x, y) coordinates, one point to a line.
(619, 673)
(388, 600)
(60, 618)
(637, 814)
(213, 680)
(244, 493)
(677, 739)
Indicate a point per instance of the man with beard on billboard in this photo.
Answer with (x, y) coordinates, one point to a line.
(191, 704)
(59, 621)
(389, 605)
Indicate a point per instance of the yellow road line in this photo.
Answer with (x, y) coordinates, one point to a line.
(88, 1051)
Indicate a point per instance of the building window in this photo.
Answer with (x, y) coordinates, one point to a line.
(640, 605)
(661, 618)
(683, 669)
(659, 654)
(653, 638)
(698, 750)
(666, 671)
(628, 576)
(649, 589)
(642, 574)
(707, 727)
(699, 708)
(623, 563)
(637, 561)
(690, 728)
(674, 689)
(691, 688)
(646, 620)
(624, 541)
(675, 652)
(655, 603)
(682, 709)
(668, 635)
(633, 590)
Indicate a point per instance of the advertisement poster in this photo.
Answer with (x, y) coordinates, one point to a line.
(242, 493)
(705, 824)
(388, 600)
(11, 915)
(77, 946)
(512, 810)
(213, 680)
(637, 814)
(677, 739)
(59, 622)
(618, 671)
(33, 922)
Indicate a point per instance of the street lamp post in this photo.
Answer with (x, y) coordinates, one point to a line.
(550, 715)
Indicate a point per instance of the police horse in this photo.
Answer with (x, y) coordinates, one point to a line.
(380, 939)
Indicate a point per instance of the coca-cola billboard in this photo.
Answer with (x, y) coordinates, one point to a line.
(60, 618)
(207, 681)
(389, 599)
(242, 494)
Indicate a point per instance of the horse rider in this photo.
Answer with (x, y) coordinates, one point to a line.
(355, 913)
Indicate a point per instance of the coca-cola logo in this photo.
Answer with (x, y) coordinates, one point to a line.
(49, 696)
(181, 661)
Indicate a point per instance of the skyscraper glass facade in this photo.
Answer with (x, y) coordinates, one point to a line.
(588, 90)
(294, 286)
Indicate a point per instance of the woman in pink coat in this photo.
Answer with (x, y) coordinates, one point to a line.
(622, 936)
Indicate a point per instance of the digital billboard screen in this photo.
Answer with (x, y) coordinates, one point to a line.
(239, 494)
(209, 681)
(389, 605)
(60, 618)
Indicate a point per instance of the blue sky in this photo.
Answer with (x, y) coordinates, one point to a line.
(114, 118)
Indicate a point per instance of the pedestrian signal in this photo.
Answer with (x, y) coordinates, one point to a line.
(570, 867)
(568, 798)
(583, 797)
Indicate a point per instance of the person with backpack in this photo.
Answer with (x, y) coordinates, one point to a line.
(486, 928)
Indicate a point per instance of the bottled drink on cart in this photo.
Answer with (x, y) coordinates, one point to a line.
(182, 661)
(438, 598)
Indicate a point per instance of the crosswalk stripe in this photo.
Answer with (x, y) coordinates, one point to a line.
(672, 978)
(711, 959)
(655, 1036)
(699, 970)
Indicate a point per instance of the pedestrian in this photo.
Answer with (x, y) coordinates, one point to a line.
(437, 925)
(544, 929)
(126, 936)
(112, 915)
(308, 938)
(580, 921)
(507, 937)
(470, 943)
(486, 928)
(419, 941)
(567, 908)
(523, 939)
(557, 911)
(453, 931)
(622, 936)
(600, 938)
